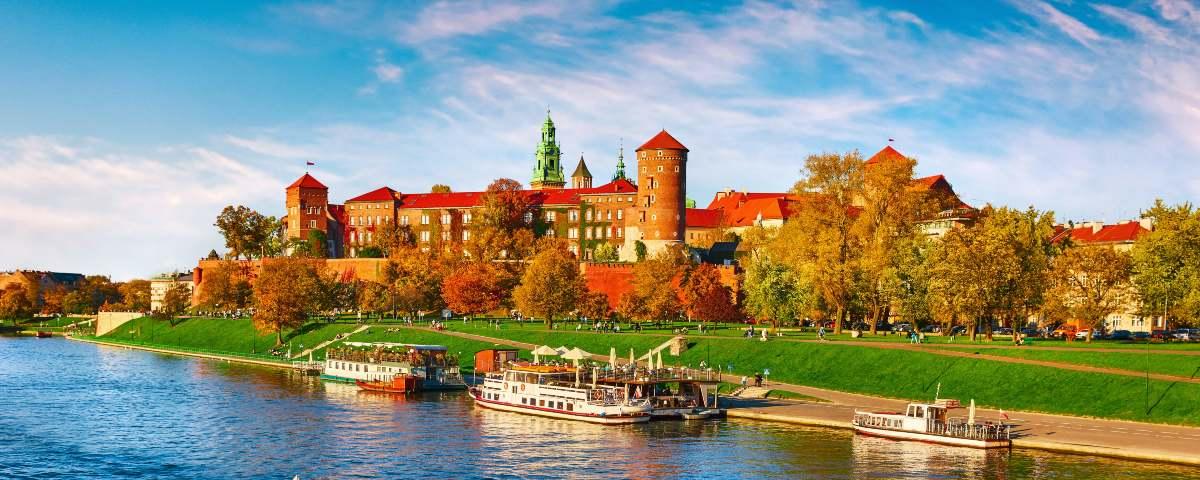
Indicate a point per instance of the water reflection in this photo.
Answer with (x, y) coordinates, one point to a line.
(114, 413)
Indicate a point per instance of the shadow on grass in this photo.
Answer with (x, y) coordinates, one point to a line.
(939, 376)
(1150, 409)
(306, 328)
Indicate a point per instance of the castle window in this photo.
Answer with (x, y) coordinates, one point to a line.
(466, 235)
(660, 168)
(425, 236)
(312, 224)
(425, 219)
(643, 168)
(445, 219)
(550, 216)
(677, 169)
(608, 215)
(659, 154)
(352, 237)
(550, 233)
(587, 232)
(588, 215)
(369, 235)
(651, 198)
(404, 220)
(572, 232)
(466, 217)
(445, 235)
(528, 217)
(378, 220)
(654, 217)
(353, 221)
(643, 156)
(620, 214)
(572, 215)
(619, 233)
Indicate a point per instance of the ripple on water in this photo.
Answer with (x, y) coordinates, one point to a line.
(77, 410)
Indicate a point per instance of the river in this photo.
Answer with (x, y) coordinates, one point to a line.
(77, 410)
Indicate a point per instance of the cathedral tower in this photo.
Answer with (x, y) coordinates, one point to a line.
(548, 173)
(658, 216)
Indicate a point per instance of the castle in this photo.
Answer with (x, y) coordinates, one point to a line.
(619, 212)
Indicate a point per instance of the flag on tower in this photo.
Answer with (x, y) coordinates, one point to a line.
(309, 164)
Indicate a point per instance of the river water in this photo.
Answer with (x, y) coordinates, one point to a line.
(77, 410)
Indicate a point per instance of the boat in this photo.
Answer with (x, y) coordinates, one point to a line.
(671, 392)
(696, 414)
(382, 362)
(930, 422)
(558, 392)
(399, 384)
(44, 334)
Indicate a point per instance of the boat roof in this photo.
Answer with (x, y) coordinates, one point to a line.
(414, 346)
(541, 369)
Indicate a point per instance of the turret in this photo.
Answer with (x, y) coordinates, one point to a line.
(658, 216)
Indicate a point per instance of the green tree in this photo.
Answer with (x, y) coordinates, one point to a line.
(284, 295)
(890, 209)
(775, 292)
(246, 231)
(440, 188)
(1092, 282)
(1166, 264)
(639, 250)
(551, 285)
(175, 302)
(605, 252)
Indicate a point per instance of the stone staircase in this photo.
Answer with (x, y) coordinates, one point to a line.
(751, 392)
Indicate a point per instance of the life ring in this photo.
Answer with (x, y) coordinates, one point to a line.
(522, 387)
(506, 386)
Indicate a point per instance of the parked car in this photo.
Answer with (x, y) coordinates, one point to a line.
(882, 326)
(931, 328)
(1182, 334)
(1063, 332)
(1160, 335)
(1031, 332)
(1083, 334)
(1120, 335)
(1141, 336)
(1003, 331)
(904, 327)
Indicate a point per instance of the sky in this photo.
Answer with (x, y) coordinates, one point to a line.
(125, 127)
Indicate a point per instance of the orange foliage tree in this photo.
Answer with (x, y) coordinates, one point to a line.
(473, 289)
(706, 298)
(285, 293)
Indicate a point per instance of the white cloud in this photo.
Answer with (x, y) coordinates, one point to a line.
(1067, 24)
(445, 19)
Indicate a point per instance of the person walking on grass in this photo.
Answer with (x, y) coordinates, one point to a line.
(821, 333)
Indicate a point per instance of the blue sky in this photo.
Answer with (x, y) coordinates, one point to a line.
(126, 126)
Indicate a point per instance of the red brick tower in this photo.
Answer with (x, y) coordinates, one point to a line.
(658, 215)
(307, 207)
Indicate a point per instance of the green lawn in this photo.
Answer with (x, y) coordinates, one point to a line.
(1181, 365)
(909, 374)
(465, 348)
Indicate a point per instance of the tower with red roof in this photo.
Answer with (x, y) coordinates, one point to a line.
(307, 207)
(658, 214)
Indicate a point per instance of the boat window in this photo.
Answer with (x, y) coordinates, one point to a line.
(570, 407)
(541, 403)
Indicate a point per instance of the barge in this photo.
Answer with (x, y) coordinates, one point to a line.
(431, 365)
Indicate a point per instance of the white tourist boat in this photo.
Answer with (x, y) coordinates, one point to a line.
(930, 422)
(558, 392)
(384, 362)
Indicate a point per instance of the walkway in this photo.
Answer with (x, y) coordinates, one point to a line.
(327, 342)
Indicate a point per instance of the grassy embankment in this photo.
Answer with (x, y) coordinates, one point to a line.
(1133, 360)
(909, 374)
(222, 336)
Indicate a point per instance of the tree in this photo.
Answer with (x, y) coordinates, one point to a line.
(440, 188)
(135, 295)
(639, 250)
(94, 292)
(374, 297)
(225, 287)
(1092, 282)
(821, 239)
(706, 298)
(473, 289)
(655, 294)
(15, 304)
(594, 305)
(246, 231)
(52, 299)
(605, 252)
(175, 302)
(370, 251)
(1166, 264)
(890, 208)
(775, 292)
(316, 245)
(501, 229)
(551, 285)
(284, 294)
(414, 279)
(631, 306)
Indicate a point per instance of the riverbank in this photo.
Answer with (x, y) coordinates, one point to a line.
(178, 351)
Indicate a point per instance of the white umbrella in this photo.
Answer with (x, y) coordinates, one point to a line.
(660, 362)
(543, 350)
(562, 349)
(632, 361)
(971, 413)
(612, 356)
(575, 355)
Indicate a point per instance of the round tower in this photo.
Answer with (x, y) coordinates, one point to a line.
(658, 214)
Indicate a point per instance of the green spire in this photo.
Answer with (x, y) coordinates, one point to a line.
(620, 173)
(548, 171)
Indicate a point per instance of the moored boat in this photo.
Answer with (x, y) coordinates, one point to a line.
(558, 392)
(930, 422)
(382, 362)
(44, 334)
(398, 384)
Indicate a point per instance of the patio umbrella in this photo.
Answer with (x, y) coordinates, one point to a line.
(632, 361)
(660, 362)
(562, 349)
(971, 413)
(575, 355)
(543, 350)
(612, 356)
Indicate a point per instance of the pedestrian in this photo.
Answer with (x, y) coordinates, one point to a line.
(745, 381)
(758, 380)
(821, 333)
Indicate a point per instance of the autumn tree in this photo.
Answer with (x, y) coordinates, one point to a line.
(890, 209)
(655, 294)
(246, 231)
(1166, 263)
(225, 287)
(284, 294)
(551, 285)
(94, 292)
(594, 305)
(473, 289)
(175, 302)
(414, 279)
(374, 297)
(821, 239)
(1091, 283)
(707, 298)
(440, 188)
(15, 304)
(135, 295)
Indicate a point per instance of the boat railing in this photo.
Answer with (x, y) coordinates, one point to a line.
(622, 375)
(972, 431)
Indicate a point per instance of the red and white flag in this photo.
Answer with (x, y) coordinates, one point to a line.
(309, 163)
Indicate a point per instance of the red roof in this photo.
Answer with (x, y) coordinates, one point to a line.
(888, 153)
(732, 200)
(378, 195)
(1120, 233)
(703, 218)
(307, 181)
(767, 208)
(566, 196)
(662, 140)
(929, 182)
